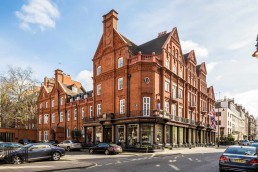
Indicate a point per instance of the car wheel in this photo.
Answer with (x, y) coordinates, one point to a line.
(68, 148)
(106, 152)
(91, 151)
(16, 160)
(56, 156)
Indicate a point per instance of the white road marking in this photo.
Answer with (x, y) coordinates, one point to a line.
(153, 155)
(172, 160)
(174, 167)
(190, 159)
(108, 164)
(158, 165)
(125, 161)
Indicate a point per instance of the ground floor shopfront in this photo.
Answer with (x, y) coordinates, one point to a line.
(152, 133)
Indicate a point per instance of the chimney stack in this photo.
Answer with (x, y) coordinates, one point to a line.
(58, 75)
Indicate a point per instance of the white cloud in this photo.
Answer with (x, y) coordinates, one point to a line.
(85, 78)
(41, 13)
(199, 50)
(248, 100)
(211, 66)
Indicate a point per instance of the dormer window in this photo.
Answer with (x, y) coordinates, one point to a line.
(74, 89)
(120, 62)
(99, 70)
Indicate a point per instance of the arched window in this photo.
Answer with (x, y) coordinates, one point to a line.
(120, 62)
(99, 70)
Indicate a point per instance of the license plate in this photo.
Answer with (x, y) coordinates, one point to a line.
(239, 160)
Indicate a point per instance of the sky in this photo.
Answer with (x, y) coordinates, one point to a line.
(50, 34)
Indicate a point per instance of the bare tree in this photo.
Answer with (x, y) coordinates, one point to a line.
(18, 97)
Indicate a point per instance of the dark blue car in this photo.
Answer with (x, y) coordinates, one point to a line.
(239, 158)
(35, 152)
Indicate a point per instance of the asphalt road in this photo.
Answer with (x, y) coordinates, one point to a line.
(199, 162)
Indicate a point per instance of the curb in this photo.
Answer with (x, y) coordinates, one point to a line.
(70, 168)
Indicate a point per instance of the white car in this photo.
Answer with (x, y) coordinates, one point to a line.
(70, 144)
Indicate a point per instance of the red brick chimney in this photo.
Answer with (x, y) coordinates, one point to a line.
(58, 75)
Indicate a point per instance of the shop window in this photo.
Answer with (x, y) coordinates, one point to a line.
(168, 134)
(120, 138)
(147, 134)
(89, 134)
(99, 134)
(132, 135)
(159, 130)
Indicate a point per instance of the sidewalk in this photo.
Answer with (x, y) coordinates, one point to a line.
(75, 160)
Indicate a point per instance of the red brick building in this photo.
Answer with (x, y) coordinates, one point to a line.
(142, 95)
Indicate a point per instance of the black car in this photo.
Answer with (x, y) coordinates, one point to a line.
(35, 152)
(239, 158)
(25, 141)
(106, 148)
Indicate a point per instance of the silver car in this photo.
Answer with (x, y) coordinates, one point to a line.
(244, 143)
(70, 144)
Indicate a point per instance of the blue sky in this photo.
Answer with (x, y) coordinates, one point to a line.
(42, 34)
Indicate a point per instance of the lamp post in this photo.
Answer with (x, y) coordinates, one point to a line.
(255, 54)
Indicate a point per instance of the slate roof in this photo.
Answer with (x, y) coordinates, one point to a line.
(154, 45)
(198, 68)
(186, 56)
(68, 90)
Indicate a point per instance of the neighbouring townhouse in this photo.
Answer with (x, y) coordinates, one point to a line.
(148, 94)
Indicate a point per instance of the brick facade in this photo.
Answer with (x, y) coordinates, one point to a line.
(146, 94)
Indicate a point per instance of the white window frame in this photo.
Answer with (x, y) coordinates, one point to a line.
(146, 106)
(166, 108)
(68, 115)
(180, 93)
(120, 83)
(46, 104)
(61, 117)
(75, 114)
(120, 62)
(167, 85)
(168, 63)
(180, 112)
(82, 113)
(46, 119)
(122, 106)
(45, 135)
(90, 111)
(53, 118)
(98, 70)
(174, 91)
(174, 109)
(99, 89)
(175, 69)
(40, 119)
(61, 101)
(98, 110)
(53, 103)
(40, 105)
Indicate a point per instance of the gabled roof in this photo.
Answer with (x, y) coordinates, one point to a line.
(200, 67)
(154, 45)
(132, 46)
(68, 89)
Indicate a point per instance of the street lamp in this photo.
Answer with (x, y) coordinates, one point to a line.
(255, 54)
(219, 123)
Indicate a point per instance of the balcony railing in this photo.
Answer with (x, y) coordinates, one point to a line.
(145, 58)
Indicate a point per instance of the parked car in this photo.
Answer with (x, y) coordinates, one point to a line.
(106, 148)
(255, 141)
(52, 142)
(24, 141)
(239, 158)
(70, 144)
(254, 145)
(244, 143)
(6, 147)
(35, 152)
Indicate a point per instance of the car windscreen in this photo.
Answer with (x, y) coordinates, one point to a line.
(241, 150)
(75, 141)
